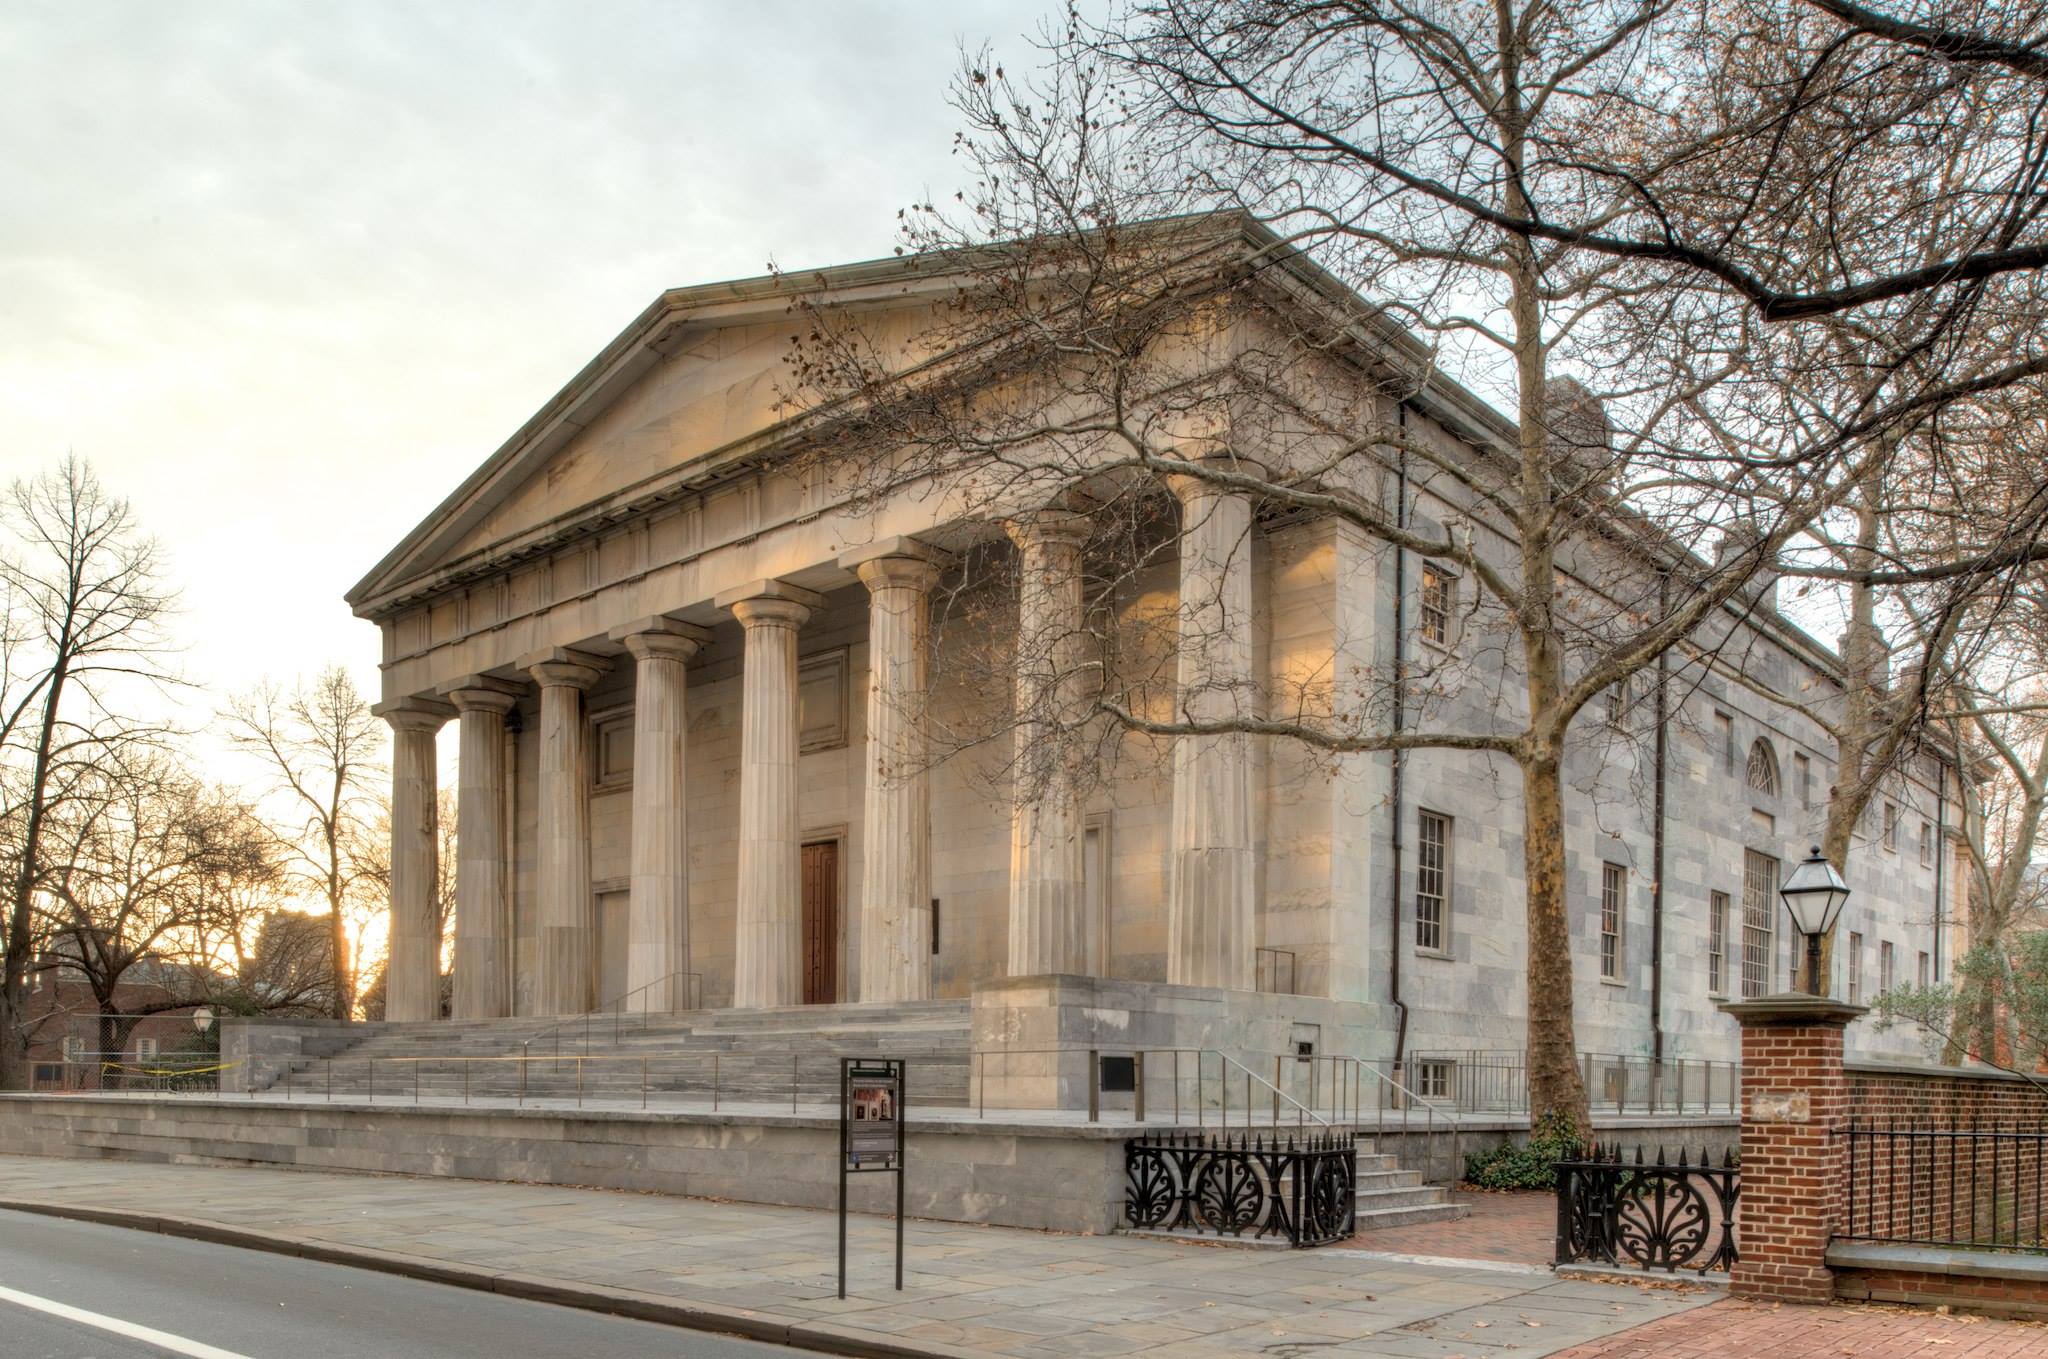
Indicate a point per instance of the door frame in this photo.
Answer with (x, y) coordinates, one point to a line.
(836, 836)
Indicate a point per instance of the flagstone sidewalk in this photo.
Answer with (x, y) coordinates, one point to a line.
(769, 1272)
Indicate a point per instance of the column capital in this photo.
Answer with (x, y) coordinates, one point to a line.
(1192, 487)
(902, 573)
(482, 693)
(661, 636)
(561, 666)
(899, 548)
(770, 601)
(415, 712)
(1048, 526)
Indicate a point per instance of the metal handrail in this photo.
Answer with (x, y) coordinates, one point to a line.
(1303, 1114)
(611, 1007)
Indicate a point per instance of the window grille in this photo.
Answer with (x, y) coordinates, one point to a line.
(1763, 769)
(1759, 921)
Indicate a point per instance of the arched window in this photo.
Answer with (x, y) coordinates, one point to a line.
(1763, 768)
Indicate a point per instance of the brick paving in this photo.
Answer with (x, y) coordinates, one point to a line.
(1732, 1328)
(972, 1292)
(1512, 1228)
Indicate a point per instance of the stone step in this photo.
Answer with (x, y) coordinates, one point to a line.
(1370, 1217)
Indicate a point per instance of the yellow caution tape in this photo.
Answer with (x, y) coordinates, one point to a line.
(124, 1068)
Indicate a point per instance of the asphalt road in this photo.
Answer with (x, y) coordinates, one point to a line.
(221, 1302)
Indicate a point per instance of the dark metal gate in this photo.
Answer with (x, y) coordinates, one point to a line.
(1657, 1215)
(1303, 1190)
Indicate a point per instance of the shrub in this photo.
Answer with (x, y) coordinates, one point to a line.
(1554, 1138)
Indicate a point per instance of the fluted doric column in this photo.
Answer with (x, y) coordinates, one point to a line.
(412, 970)
(1209, 923)
(768, 915)
(896, 874)
(658, 916)
(1048, 907)
(483, 924)
(564, 908)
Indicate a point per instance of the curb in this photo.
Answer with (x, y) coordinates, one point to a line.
(822, 1336)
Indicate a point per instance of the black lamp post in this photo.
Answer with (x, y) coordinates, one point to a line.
(1814, 895)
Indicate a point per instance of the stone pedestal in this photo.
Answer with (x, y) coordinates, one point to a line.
(1210, 907)
(483, 915)
(1048, 908)
(412, 976)
(896, 878)
(567, 914)
(658, 920)
(768, 924)
(1794, 1097)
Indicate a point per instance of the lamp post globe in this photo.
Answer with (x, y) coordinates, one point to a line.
(1813, 896)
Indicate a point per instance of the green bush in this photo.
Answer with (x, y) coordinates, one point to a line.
(1554, 1138)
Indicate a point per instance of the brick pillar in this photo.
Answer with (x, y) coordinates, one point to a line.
(1794, 1096)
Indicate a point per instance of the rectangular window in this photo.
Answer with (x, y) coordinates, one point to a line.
(1855, 969)
(1884, 967)
(1433, 1080)
(1802, 779)
(1435, 619)
(1891, 827)
(935, 927)
(611, 743)
(1759, 920)
(1926, 844)
(1920, 970)
(1724, 735)
(1432, 882)
(1717, 944)
(145, 1048)
(1618, 696)
(1613, 911)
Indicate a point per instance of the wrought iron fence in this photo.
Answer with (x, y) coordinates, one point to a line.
(1496, 1081)
(112, 1072)
(1303, 1190)
(1656, 1215)
(1920, 1184)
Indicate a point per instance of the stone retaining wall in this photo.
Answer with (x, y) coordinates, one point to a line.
(1006, 1175)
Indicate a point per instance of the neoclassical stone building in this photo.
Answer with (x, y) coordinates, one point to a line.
(693, 764)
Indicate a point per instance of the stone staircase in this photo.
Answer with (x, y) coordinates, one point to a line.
(767, 1056)
(1389, 1196)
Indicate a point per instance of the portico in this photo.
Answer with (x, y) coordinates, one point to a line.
(543, 809)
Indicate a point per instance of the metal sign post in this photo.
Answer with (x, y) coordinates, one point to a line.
(870, 1137)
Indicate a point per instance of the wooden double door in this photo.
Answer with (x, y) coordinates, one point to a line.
(821, 922)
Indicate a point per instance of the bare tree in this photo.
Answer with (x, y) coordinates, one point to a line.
(141, 859)
(85, 609)
(325, 751)
(1420, 162)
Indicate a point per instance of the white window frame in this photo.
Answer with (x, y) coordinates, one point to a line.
(1717, 943)
(1433, 621)
(1438, 920)
(1887, 965)
(1613, 922)
(1855, 968)
(1891, 828)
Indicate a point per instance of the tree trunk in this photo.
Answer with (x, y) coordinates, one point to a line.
(1555, 1083)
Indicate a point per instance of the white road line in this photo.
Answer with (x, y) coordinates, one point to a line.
(176, 1344)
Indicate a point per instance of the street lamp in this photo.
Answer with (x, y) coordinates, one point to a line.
(1814, 895)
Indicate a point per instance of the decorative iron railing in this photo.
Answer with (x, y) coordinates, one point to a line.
(1302, 1190)
(1655, 1215)
(1919, 1184)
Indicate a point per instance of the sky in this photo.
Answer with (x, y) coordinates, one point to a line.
(285, 273)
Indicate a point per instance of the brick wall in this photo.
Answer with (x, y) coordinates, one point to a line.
(1945, 1157)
